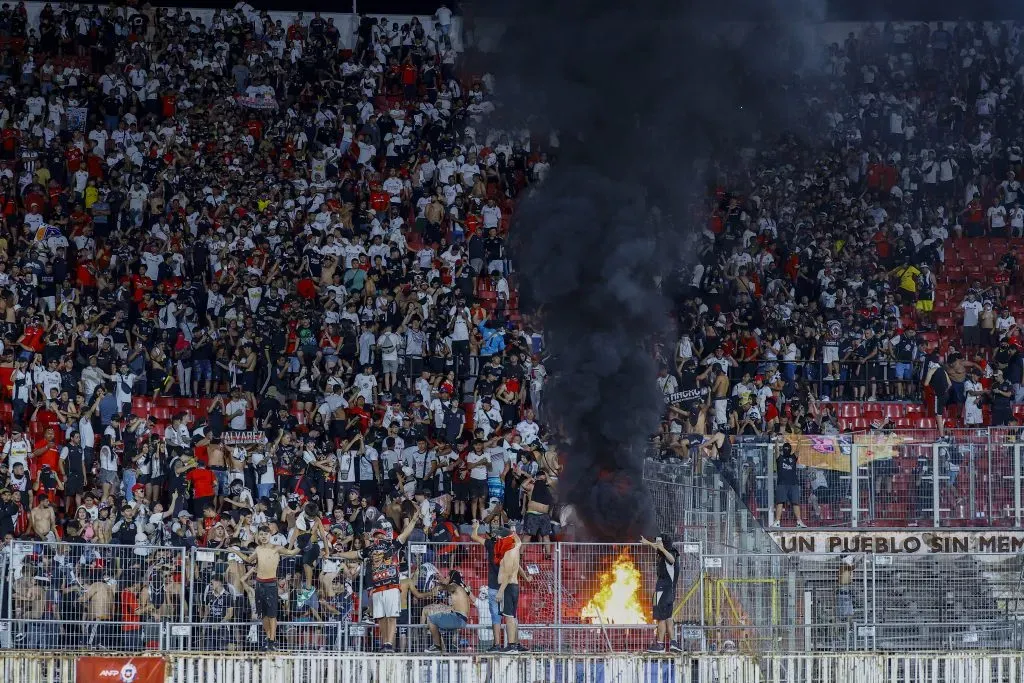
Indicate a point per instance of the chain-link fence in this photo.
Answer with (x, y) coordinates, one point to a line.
(71, 596)
(899, 478)
(574, 597)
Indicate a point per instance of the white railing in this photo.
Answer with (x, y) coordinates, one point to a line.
(957, 667)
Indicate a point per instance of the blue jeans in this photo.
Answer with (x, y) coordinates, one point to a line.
(492, 605)
(263, 490)
(448, 621)
(127, 482)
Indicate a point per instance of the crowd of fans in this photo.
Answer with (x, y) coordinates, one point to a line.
(251, 281)
(823, 260)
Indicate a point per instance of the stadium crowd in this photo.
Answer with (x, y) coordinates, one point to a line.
(823, 255)
(256, 293)
(252, 284)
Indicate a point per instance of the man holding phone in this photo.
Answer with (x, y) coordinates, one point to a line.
(665, 593)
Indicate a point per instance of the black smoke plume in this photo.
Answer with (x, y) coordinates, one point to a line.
(644, 96)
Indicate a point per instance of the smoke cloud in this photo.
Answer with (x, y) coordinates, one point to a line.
(642, 94)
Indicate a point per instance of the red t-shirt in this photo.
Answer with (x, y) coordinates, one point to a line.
(168, 105)
(202, 481)
(48, 457)
(380, 200)
(74, 157)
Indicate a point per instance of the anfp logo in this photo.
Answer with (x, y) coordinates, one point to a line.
(129, 673)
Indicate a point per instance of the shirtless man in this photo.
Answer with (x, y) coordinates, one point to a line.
(99, 608)
(452, 619)
(215, 453)
(29, 601)
(266, 557)
(43, 520)
(537, 523)
(508, 592)
(407, 587)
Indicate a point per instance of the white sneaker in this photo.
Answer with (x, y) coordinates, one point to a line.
(800, 523)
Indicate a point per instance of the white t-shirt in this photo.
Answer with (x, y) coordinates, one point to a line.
(478, 463)
(997, 216)
(346, 466)
(366, 384)
(387, 344)
(971, 310)
(239, 422)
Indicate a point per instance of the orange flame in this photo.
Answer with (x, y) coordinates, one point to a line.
(618, 599)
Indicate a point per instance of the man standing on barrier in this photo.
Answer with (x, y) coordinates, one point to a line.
(384, 554)
(508, 590)
(665, 593)
(266, 557)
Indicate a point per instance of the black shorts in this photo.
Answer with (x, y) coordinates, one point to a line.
(74, 485)
(537, 524)
(510, 600)
(267, 599)
(478, 488)
(460, 490)
(664, 601)
(787, 493)
(310, 554)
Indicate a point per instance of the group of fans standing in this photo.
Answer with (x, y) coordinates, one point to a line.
(251, 284)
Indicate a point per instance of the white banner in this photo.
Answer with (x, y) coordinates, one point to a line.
(256, 102)
(899, 542)
(244, 438)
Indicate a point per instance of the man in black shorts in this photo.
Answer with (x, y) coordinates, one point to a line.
(664, 593)
(508, 592)
(266, 557)
(308, 534)
(787, 485)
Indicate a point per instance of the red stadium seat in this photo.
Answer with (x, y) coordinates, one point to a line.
(893, 410)
(850, 409)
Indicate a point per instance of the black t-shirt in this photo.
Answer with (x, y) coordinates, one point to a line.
(905, 349)
(1000, 402)
(139, 23)
(940, 380)
(384, 557)
(785, 468)
(492, 567)
(668, 574)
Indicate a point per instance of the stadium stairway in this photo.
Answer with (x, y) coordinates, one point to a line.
(914, 602)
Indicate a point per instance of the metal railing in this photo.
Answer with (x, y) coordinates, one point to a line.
(139, 599)
(900, 478)
(956, 667)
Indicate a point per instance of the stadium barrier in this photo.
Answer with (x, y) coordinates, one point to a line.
(892, 479)
(576, 598)
(957, 667)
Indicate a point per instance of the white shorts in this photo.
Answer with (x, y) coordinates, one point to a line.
(721, 411)
(387, 604)
(829, 354)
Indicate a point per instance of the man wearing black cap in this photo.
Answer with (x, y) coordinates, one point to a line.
(457, 618)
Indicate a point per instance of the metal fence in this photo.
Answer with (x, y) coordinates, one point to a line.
(576, 597)
(900, 478)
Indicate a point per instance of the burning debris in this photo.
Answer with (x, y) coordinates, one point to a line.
(617, 601)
